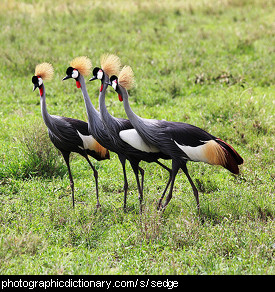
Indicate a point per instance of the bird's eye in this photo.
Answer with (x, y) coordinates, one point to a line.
(99, 74)
(75, 74)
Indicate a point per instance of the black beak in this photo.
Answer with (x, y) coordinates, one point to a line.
(66, 77)
(109, 83)
(93, 78)
(35, 86)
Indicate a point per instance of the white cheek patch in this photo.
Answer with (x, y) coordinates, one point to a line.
(99, 74)
(40, 81)
(75, 74)
(114, 85)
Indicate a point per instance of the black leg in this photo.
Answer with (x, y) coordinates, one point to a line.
(195, 191)
(175, 169)
(136, 168)
(123, 161)
(142, 177)
(66, 156)
(167, 185)
(96, 181)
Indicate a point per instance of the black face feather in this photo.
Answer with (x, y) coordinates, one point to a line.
(95, 74)
(113, 77)
(69, 71)
(35, 80)
(96, 69)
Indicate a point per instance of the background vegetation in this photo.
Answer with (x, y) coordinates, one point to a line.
(208, 63)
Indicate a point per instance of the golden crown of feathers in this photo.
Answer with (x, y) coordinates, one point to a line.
(44, 70)
(110, 64)
(126, 77)
(83, 64)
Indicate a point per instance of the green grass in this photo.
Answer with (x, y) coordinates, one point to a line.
(208, 64)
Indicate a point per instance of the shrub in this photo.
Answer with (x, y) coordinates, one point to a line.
(34, 155)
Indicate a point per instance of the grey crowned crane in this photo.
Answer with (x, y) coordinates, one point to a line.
(80, 67)
(67, 134)
(122, 131)
(180, 141)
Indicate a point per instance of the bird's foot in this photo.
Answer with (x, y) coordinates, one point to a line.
(97, 207)
(160, 206)
(141, 206)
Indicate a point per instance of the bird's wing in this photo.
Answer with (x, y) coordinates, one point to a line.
(78, 125)
(186, 134)
(89, 142)
(122, 124)
(131, 137)
(64, 131)
(176, 139)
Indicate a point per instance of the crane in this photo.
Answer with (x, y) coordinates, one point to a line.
(125, 137)
(67, 134)
(78, 68)
(182, 142)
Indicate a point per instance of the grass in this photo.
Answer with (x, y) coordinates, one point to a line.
(208, 64)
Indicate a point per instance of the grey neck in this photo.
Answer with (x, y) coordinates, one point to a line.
(134, 119)
(106, 117)
(141, 125)
(46, 116)
(93, 115)
(89, 106)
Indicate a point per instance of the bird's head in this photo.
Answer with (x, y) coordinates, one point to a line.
(109, 65)
(37, 82)
(78, 66)
(72, 73)
(98, 73)
(114, 83)
(43, 71)
(124, 81)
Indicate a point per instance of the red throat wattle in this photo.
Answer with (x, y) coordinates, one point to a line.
(41, 91)
(78, 85)
(101, 87)
(120, 97)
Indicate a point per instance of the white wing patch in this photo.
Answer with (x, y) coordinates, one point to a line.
(194, 153)
(133, 138)
(88, 141)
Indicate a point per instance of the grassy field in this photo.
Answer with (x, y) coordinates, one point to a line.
(207, 63)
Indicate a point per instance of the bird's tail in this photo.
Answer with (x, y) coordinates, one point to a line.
(101, 152)
(218, 152)
(231, 158)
